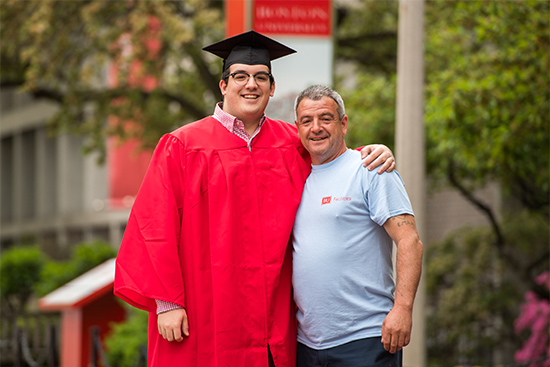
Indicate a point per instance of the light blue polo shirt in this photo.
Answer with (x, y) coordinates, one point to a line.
(342, 264)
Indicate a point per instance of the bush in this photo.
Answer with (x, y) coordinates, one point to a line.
(20, 272)
(88, 255)
(127, 339)
(85, 257)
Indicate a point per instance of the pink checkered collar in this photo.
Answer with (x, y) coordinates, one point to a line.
(233, 124)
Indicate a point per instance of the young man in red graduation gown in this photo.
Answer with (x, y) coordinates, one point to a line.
(206, 248)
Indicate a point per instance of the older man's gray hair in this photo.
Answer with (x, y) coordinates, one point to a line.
(315, 93)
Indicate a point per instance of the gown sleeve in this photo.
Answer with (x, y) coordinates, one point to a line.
(148, 264)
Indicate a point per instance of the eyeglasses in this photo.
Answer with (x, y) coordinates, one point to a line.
(261, 78)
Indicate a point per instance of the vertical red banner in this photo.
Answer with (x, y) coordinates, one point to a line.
(235, 17)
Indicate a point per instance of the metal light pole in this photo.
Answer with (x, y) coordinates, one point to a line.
(410, 148)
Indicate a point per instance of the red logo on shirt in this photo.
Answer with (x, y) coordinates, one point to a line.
(326, 200)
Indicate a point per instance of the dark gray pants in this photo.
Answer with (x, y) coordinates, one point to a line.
(367, 352)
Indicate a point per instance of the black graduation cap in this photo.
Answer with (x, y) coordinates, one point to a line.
(250, 48)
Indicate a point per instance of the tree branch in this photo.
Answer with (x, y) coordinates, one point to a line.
(500, 241)
(211, 81)
(9, 83)
(50, 94)
(91, 95)
(365, 38)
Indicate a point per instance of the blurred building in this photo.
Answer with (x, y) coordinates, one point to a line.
(51, 193)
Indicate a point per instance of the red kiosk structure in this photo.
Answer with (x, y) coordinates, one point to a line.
(85, 302)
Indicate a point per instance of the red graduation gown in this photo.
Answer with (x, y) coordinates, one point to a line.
(210, 230)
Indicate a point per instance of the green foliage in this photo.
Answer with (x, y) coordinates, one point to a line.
(528, 236)
(471, 300)
(26, 271)
(371, 110)
(63, 51)
(366, 54)
(487, 89)
(85, 257)
(487, 95)
(473, 296)
(127, 339)
(487, 102)
(20, 269)
(367, 34)
(54, 275)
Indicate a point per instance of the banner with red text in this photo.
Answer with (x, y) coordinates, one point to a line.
(293, 17)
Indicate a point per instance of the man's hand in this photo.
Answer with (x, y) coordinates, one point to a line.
(173, 324)
(396, 329)
(378, 155)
